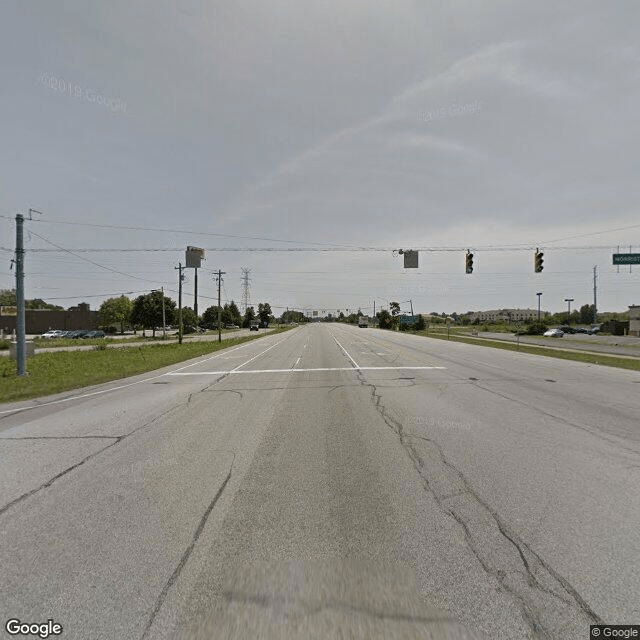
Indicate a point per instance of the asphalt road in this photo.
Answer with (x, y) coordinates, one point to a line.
(328, 482)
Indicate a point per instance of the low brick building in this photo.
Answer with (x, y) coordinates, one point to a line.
(634, 320)
(40, 320)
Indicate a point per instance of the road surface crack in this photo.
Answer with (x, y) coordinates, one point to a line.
(543, 595)
(185, 556)
(64, 472)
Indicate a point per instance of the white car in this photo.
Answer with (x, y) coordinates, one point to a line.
(553, 333)
(55, 333)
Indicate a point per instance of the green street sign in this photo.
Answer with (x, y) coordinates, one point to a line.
(626, 258)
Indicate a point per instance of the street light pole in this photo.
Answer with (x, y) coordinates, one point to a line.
(164, 323)
(180, 278)
(539, 294)
(568, 301)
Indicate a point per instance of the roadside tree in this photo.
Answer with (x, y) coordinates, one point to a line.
(264, 312)
(116, 311)
(147, 311)
(189, 317)
(249, 317)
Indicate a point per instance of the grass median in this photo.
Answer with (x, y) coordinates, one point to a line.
(50, 373)
(609, 360)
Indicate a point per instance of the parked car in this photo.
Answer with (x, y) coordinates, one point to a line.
(553, 333)
(93, 334)
(55, 333)
(254, 326)
(231, 326)
(567, 329)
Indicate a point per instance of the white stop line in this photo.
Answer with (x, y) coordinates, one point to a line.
(236, 372)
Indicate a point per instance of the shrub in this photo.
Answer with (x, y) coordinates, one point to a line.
(535, 328)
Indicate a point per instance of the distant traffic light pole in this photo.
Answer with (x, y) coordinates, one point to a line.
(539, 294)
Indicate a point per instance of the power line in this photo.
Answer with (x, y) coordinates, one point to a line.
(91, 261)
(164, 230)
(488, 249)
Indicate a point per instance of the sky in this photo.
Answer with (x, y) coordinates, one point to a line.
(256, 130)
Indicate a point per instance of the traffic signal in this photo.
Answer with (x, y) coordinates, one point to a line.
(469, 263)
(538, 261)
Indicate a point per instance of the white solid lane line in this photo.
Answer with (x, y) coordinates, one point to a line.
(234, 371)
(122, 386)
(261, 353)
(355, 364)
(223, 352)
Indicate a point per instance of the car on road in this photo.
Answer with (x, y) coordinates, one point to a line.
(231, 326)
(553, 333)
(254, 326)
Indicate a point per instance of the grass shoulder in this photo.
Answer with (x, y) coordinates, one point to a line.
(50, 373)
(609, 360)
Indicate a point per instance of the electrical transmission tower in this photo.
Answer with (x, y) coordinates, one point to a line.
(245, 288)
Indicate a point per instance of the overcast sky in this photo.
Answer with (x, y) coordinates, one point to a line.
(479, 124)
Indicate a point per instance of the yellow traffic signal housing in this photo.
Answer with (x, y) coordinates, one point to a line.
(469, 263)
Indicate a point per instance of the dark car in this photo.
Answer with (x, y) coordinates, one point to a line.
(93, 334)
(567, 329)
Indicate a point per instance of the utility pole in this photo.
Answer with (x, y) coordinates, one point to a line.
(539, 294)
(374, 308)
(20, 326)
(568, 301)
(595, 308)
(164, 322)
(195, 291)
(219, 277)
(411, 303)
(180, 279)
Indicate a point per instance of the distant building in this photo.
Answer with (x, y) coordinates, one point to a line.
(506, 315)
(634, 320)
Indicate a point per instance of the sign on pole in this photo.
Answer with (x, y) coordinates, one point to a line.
(410, 259)
(626, 258)
(8, 311)
(193, 257)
